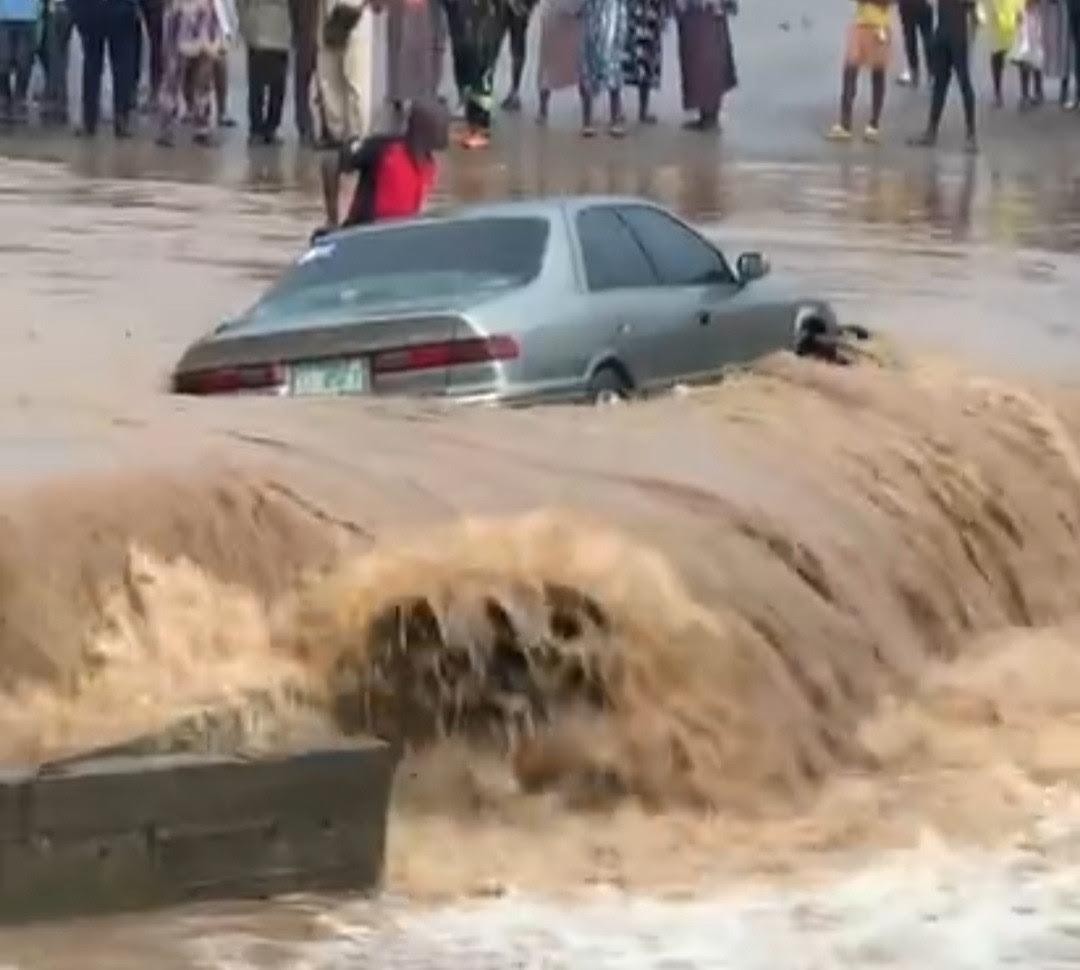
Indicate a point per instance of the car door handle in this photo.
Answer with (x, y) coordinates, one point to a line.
(704, 318)
(624, 328)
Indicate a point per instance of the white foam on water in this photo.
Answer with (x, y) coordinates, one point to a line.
(930, 907)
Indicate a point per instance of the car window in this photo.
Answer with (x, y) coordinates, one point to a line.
(681, 257)
(432, 259)
(613, 257)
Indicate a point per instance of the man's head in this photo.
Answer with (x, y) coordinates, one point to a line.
(428, 128)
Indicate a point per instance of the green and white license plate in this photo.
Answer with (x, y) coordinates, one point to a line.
(330, 377)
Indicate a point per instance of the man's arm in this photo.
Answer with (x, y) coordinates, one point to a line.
(353, 158)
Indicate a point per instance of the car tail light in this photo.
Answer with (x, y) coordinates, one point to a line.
(451, 353)
(232, 380)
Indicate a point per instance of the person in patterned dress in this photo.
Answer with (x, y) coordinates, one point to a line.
(602, 51)
(193, 41)
(645, 52)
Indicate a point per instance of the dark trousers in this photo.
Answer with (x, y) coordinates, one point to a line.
(16, 59)
(113, 23)
(267, 71)
(917, 20)
(152, 13)
(303, 15)
(517, 26)
(1073, 8)
(57, 42)
(476, 33)
(951, 54)
(455, 29)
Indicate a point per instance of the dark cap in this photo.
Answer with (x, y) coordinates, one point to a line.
(428, 128)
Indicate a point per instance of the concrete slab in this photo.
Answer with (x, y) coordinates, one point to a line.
(118, 793)
(121, 833)
(13, 804)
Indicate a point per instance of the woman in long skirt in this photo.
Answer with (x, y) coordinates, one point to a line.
(602, 51)
(1056, 46)
(706, 58)
(645, 52)
(560, 51)
(416, 46)
(193, 41)
(475, 33)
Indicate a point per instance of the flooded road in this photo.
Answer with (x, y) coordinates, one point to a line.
(833, 612)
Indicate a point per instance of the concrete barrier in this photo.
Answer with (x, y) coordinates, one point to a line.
(122, 833)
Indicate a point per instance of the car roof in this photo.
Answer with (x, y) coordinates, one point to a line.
(545, 207)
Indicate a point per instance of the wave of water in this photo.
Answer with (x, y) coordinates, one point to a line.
(699, 615)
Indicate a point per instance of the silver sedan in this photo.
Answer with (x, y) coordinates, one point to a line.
(568, 299)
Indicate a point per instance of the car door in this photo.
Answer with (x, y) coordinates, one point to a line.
(621, 284)
(717, 324)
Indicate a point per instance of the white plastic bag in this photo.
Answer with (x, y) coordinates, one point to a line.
(1028, 48)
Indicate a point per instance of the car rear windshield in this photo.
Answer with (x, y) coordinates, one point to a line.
(433, 259)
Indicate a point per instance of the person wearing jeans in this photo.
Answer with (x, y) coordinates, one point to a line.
(112, 24)
(57, 43)
(951, 54)
(265, 27)
(1072, 10)
(917, 22)
(152, 13)
(18, 38)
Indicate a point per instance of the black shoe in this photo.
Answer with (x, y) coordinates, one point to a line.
(971, 145)
(271, 138)
(122, 129)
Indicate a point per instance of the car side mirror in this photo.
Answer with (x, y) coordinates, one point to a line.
(751, 266)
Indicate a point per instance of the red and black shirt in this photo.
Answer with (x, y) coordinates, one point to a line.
(393, 184)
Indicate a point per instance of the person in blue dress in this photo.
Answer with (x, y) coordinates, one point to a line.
(604, 45)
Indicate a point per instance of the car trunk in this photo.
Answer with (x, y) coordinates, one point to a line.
(407, 355)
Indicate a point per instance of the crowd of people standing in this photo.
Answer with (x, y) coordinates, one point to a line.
(1041, 38)
(595, 47)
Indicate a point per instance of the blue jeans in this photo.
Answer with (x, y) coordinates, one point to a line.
(57, 43)
(17, 39)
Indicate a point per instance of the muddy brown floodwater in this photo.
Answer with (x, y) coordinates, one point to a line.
(778, 673)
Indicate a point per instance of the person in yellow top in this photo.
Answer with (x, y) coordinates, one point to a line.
(1004, 22)
(869, 42)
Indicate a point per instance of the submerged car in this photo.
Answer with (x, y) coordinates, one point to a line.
(569, 299)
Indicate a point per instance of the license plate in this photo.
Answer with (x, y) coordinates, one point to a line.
(329, 377)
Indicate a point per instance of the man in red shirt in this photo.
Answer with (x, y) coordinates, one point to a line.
(395, 173)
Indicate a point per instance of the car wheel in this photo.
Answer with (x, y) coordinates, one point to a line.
(609, 385)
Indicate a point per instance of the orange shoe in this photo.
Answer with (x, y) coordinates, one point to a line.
(474, 140)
